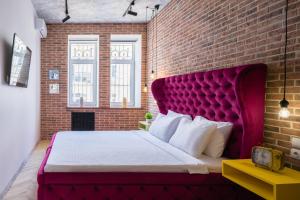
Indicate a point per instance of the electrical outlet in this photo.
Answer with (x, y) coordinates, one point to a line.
(295, 153)
(295, 142)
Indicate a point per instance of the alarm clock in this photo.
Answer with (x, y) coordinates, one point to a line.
(267, 158)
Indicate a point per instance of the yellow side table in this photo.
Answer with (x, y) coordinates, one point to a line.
(282, 185)
(143, 125)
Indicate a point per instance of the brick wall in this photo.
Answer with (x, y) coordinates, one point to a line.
(54, 112)
(198, 35)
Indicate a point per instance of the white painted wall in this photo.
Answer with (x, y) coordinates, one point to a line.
(19, 107)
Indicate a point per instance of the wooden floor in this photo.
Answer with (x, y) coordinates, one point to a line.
(25, 185)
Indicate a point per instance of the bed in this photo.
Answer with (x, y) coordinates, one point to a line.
(233, 94)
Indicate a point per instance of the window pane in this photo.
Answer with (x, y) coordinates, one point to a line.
(121, 51)
(122, 73)
(82, 82)
(83, 51)
(120, 83)
(83, 72)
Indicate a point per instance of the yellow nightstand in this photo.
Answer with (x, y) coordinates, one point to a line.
(282, 185)
(143, 125)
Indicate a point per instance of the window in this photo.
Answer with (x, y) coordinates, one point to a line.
(122, 73)
(125, 70)
(83, 71)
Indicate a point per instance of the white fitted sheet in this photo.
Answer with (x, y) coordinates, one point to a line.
(122, 151)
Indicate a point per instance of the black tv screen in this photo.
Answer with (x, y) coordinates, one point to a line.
(20, 63)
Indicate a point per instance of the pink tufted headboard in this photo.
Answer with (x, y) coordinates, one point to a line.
(232, 94)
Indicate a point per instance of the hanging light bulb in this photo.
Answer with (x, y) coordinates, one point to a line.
(145, 88)
(152, 75)
(284, 111)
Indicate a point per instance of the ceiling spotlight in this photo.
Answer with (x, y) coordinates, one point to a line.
(66, 18)
(156, 7)
(129, 10)
(66, 12)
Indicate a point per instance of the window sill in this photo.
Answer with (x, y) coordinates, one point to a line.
(104, 108)
(87, 107)
(128, 108)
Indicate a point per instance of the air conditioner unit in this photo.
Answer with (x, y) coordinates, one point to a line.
(40, 25)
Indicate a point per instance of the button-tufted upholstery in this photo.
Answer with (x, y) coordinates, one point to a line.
(233, 94)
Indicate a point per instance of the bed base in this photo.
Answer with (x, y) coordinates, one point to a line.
(136, 186)
(143, 192)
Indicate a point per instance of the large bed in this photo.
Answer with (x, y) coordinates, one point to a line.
(136, 165)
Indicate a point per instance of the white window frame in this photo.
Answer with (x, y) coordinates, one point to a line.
(137, 65)
(84, 38)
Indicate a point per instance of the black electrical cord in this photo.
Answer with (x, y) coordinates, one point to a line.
(152, 44)
(66, 6)
(156, 40)
(146, 85)
(154, 34)
(284, 103)
(285, 47)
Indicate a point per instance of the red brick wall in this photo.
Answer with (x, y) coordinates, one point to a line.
(54, 112)
(198, 35)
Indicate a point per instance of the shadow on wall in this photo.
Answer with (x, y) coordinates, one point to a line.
(5, 60)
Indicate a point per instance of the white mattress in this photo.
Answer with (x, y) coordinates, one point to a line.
(122, 151)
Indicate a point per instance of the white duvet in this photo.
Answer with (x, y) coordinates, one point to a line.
(122, 151)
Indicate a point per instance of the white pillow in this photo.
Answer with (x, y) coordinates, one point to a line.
(192, 136)
(218, 139)
(175, 114)
(163, 127)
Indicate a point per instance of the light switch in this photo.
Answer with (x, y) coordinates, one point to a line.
(295, 142)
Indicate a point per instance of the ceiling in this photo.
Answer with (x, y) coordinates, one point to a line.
(94, 11)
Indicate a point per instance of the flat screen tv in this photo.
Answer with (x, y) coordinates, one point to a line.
(18, 73)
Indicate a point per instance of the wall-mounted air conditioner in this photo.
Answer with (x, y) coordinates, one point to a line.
(41, 26)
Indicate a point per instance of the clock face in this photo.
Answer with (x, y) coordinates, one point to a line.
(263, 157)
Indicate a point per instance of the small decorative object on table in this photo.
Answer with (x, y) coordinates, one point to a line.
(143, 125)
(267, 158)
(124, 102)
(81, 101)
(148, 117)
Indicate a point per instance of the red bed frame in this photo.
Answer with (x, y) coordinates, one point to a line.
(232, 94)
